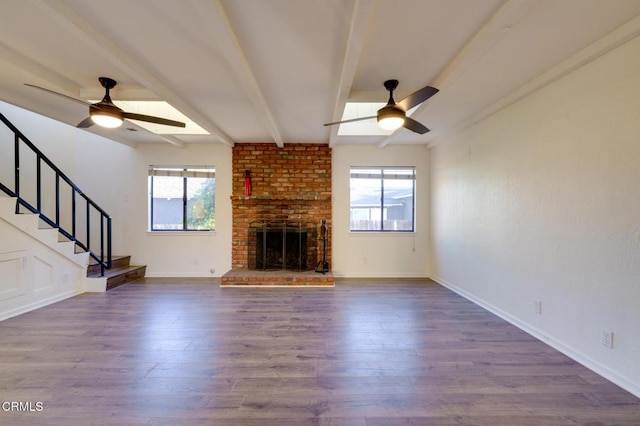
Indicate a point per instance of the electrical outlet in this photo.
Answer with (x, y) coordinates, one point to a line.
(537, 306)
(607, 338)
(65, 277)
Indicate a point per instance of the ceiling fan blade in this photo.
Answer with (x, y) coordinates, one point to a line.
(414, 126)
(152, 119)
(87, 122)
(80, 101)
(416, 98)
(350, 121)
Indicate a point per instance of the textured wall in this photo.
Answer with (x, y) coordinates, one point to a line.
(540, 202)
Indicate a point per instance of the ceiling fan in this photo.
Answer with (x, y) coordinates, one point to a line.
(393, 115)
(105, 113)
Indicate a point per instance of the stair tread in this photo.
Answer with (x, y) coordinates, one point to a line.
(108, 273)
(113, 259)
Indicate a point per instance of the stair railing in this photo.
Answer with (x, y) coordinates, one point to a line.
(100, 250)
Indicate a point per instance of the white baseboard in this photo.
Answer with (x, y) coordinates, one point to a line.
(38, 304)
(337, 274)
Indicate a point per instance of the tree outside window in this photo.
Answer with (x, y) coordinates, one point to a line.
(182, 198)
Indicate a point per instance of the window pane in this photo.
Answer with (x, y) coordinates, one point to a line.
(183, 198)
(200, 204)
(167, 203)
(366, 213)
(398, 204)
(382, 199)
(399, 173)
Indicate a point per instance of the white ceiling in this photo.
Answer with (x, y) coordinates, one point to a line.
(276, 70)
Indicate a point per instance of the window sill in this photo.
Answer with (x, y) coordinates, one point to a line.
(182, 233)
(382, 234)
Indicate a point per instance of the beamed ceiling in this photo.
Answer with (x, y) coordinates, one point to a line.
(276, 70)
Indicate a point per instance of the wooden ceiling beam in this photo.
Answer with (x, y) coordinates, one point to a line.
(360, 18)
(216, 21)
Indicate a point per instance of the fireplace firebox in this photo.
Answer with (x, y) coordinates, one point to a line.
(275, 245)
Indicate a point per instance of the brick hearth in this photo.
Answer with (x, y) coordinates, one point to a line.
(289, 183)
(246, 277)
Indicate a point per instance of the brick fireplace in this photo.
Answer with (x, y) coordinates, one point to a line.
(290, 185)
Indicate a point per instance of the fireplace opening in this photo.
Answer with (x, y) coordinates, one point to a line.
(281, 245)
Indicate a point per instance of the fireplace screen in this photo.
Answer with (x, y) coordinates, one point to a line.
(282, 245)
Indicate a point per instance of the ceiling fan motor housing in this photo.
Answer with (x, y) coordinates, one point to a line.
(390, 117)
(106, 114)
(102, 108)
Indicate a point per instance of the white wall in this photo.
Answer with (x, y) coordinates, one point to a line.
(181, 254)
(379, 254)
(31, 274)
(54, 139)
(540, 202)
(115, 177)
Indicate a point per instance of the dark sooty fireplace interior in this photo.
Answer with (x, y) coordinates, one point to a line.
(277, 245)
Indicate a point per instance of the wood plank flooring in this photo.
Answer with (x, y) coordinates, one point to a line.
(187, 352)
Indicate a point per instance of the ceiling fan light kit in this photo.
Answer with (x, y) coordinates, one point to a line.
(390, 118)
(106, 116)
(107, 121)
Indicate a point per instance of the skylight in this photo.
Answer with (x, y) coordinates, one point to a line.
(164, 110)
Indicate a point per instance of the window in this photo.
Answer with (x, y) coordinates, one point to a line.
(382, 199)
(182, 198)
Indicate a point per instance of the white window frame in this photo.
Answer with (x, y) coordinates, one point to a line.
(184, 172)
(383, 173)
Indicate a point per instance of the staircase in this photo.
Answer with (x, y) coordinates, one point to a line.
(121, 272)
(31, 224)
(64, 219)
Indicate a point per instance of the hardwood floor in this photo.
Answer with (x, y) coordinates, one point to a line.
(187, 352)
